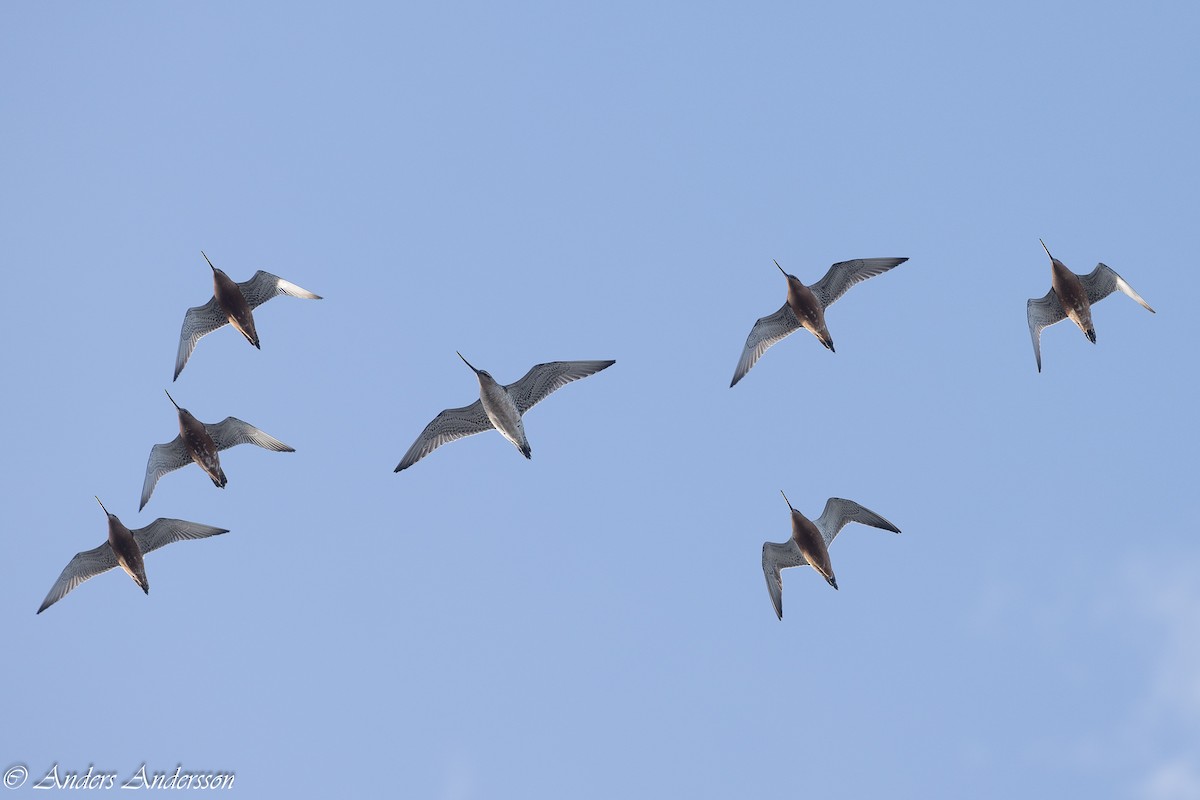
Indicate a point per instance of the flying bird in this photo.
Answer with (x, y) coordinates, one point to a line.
(1071, 297)
(499, 407)
(124, 549)
(232, 303)
(200, 442)
(805, 308)
(810, 543)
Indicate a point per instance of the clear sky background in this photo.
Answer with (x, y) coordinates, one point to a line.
(533, 182)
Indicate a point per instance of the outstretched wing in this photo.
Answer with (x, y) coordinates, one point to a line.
(87, 564)
(163, 531)
(838, 512)
(844, 274)
(777, 557)
(1103, 281)
(1043, 313)
(766, 332)
(232, 431)
(542, 379)
(451, 424)
(198, 322)
(164, 458)
(263, 286)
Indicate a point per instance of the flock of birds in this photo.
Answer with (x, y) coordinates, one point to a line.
(502, 406)
(232, 303)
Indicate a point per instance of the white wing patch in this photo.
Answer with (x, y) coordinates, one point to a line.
(1103, 281)
(263, 286)
(231, 431)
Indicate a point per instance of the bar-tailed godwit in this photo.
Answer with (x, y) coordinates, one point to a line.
(200, 442)
(805, 308)
(124, 549)
(810, 543)
(232, 303)
(499, 407)
(1071, 297)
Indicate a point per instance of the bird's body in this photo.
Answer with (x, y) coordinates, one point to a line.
(125, 548)
(200, 446)
(809, 543)
(200, 443)
(805, 308)
(499, 406)
(231, 300)
(232, 303)
(503, 413)
(1071, 296)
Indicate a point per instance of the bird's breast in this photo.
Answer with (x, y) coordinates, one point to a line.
(1070, 291)
(202, 449)
(128, 554)
(501, 410)
(811, 543)
(806, 307)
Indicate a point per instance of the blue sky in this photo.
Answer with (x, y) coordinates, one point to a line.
(532, 182)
